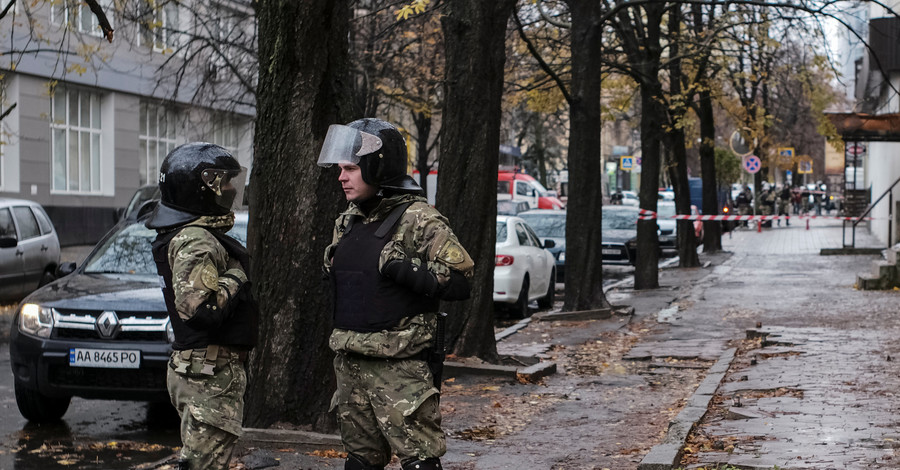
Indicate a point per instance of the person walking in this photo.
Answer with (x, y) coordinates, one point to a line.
(214, 318)
(784, 203)
(392, 258)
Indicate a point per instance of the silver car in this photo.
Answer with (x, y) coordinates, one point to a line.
(29, 248)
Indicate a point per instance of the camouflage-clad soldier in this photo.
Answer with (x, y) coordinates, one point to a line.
(203, 274)
(784, 203)
(744, 201)
(391, 260)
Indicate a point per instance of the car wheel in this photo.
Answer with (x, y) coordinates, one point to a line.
(547, 300)
(46, 278)
(39, 408)
(520, 308)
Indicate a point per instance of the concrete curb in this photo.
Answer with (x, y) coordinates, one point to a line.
(530, 373)
(581, 315)
(665, 456)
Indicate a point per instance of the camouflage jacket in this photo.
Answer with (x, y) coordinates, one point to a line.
(423, 236)
(198, 262)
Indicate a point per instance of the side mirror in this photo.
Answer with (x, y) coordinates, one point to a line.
(8, 242)
(65, 269)
(549, 243)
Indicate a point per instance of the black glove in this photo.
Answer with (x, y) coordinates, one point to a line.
(417, 278)
(209, 316)
(422, 281)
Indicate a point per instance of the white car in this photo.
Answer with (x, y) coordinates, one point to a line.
(630, 198)
(524, 270)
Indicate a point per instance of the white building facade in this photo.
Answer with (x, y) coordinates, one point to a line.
(89, 121)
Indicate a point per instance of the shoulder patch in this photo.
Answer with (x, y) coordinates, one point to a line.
(451, 253)
(210, 277)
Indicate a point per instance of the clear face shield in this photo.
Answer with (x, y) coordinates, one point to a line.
(227, 185)
(344, 144)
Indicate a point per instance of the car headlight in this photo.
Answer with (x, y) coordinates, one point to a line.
(36, 320)
(631, 244)
(170, 332)
(562, 255)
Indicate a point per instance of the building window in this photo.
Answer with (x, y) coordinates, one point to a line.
(78, 15)
(158, 25)
(225, 134)
(75, 139)
(157, 139)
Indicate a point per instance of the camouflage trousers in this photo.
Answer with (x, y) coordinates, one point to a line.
(211, 408)
(386, 405)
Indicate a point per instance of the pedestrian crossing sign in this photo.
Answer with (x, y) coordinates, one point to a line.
(626, 163)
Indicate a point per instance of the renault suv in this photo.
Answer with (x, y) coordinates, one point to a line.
(101, 331)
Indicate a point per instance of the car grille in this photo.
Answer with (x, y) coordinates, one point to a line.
(144, 379)
(112, 326)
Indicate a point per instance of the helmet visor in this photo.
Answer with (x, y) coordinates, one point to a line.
(227, 186)
(344, 144)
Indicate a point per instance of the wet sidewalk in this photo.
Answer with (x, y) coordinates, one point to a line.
(814, 381)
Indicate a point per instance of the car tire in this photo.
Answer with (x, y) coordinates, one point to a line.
(46, 278)
(520, 308)
(547, 300)
(39, 408)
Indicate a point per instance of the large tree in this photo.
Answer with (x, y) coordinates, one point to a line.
(474, 38)
(293, 203)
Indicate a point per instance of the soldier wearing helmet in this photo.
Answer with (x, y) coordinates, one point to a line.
(203, 275)
(392, 259)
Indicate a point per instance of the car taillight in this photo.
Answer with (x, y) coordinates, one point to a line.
(725, 209)
(503, 260)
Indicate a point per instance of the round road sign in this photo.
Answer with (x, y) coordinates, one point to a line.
(751, 164)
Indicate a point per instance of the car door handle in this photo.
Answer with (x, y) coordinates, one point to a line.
(19, 253)
(44, 248)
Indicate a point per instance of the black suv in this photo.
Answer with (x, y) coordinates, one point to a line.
(99, 332)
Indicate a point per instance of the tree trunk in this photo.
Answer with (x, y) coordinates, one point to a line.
(422, 122)
(584, 270)
(712, 229)
(303, 70)
(687, 242)
(474, 38)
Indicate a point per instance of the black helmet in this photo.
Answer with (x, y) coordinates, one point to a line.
(377, 147)
(195, 178)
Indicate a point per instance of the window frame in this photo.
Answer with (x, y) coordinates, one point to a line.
(164, 37)
(20, 226)
(169, 141)
(95, 134)
(82, 10)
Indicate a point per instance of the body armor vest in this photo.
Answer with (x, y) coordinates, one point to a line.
(239, 330)
(366, 300)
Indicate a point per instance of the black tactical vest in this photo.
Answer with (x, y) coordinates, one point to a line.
(239, 330)
(365, 300)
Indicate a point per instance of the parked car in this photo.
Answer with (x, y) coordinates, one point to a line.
(29, 248)
(550, 225)
(101, 331)
(523, 269)
(523, 187)
(630, 198)
(618, 232)
(668, 238)
(506, 206)
(143, 194)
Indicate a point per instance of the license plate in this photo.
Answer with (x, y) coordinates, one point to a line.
(610, 251)
(106, 358)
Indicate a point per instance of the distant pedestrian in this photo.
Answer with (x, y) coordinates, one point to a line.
(784, 203)
(392, 259)
(744, 200)
(204, 280)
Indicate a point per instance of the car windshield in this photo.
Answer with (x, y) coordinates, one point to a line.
(501, 232)
(128, 251)
(665, 210)
(547, 225)
(619, 220)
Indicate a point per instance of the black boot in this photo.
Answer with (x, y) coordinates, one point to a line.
(432, 463)
(355, 463)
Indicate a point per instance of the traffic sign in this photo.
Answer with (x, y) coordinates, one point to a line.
(626, 163)
(785, 159)
(856, 148)
(804, 164)
(751, 164)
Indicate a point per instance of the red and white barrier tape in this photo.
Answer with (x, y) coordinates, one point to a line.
(650, 215)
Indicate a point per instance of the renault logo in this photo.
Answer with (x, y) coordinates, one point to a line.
(107, 324)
